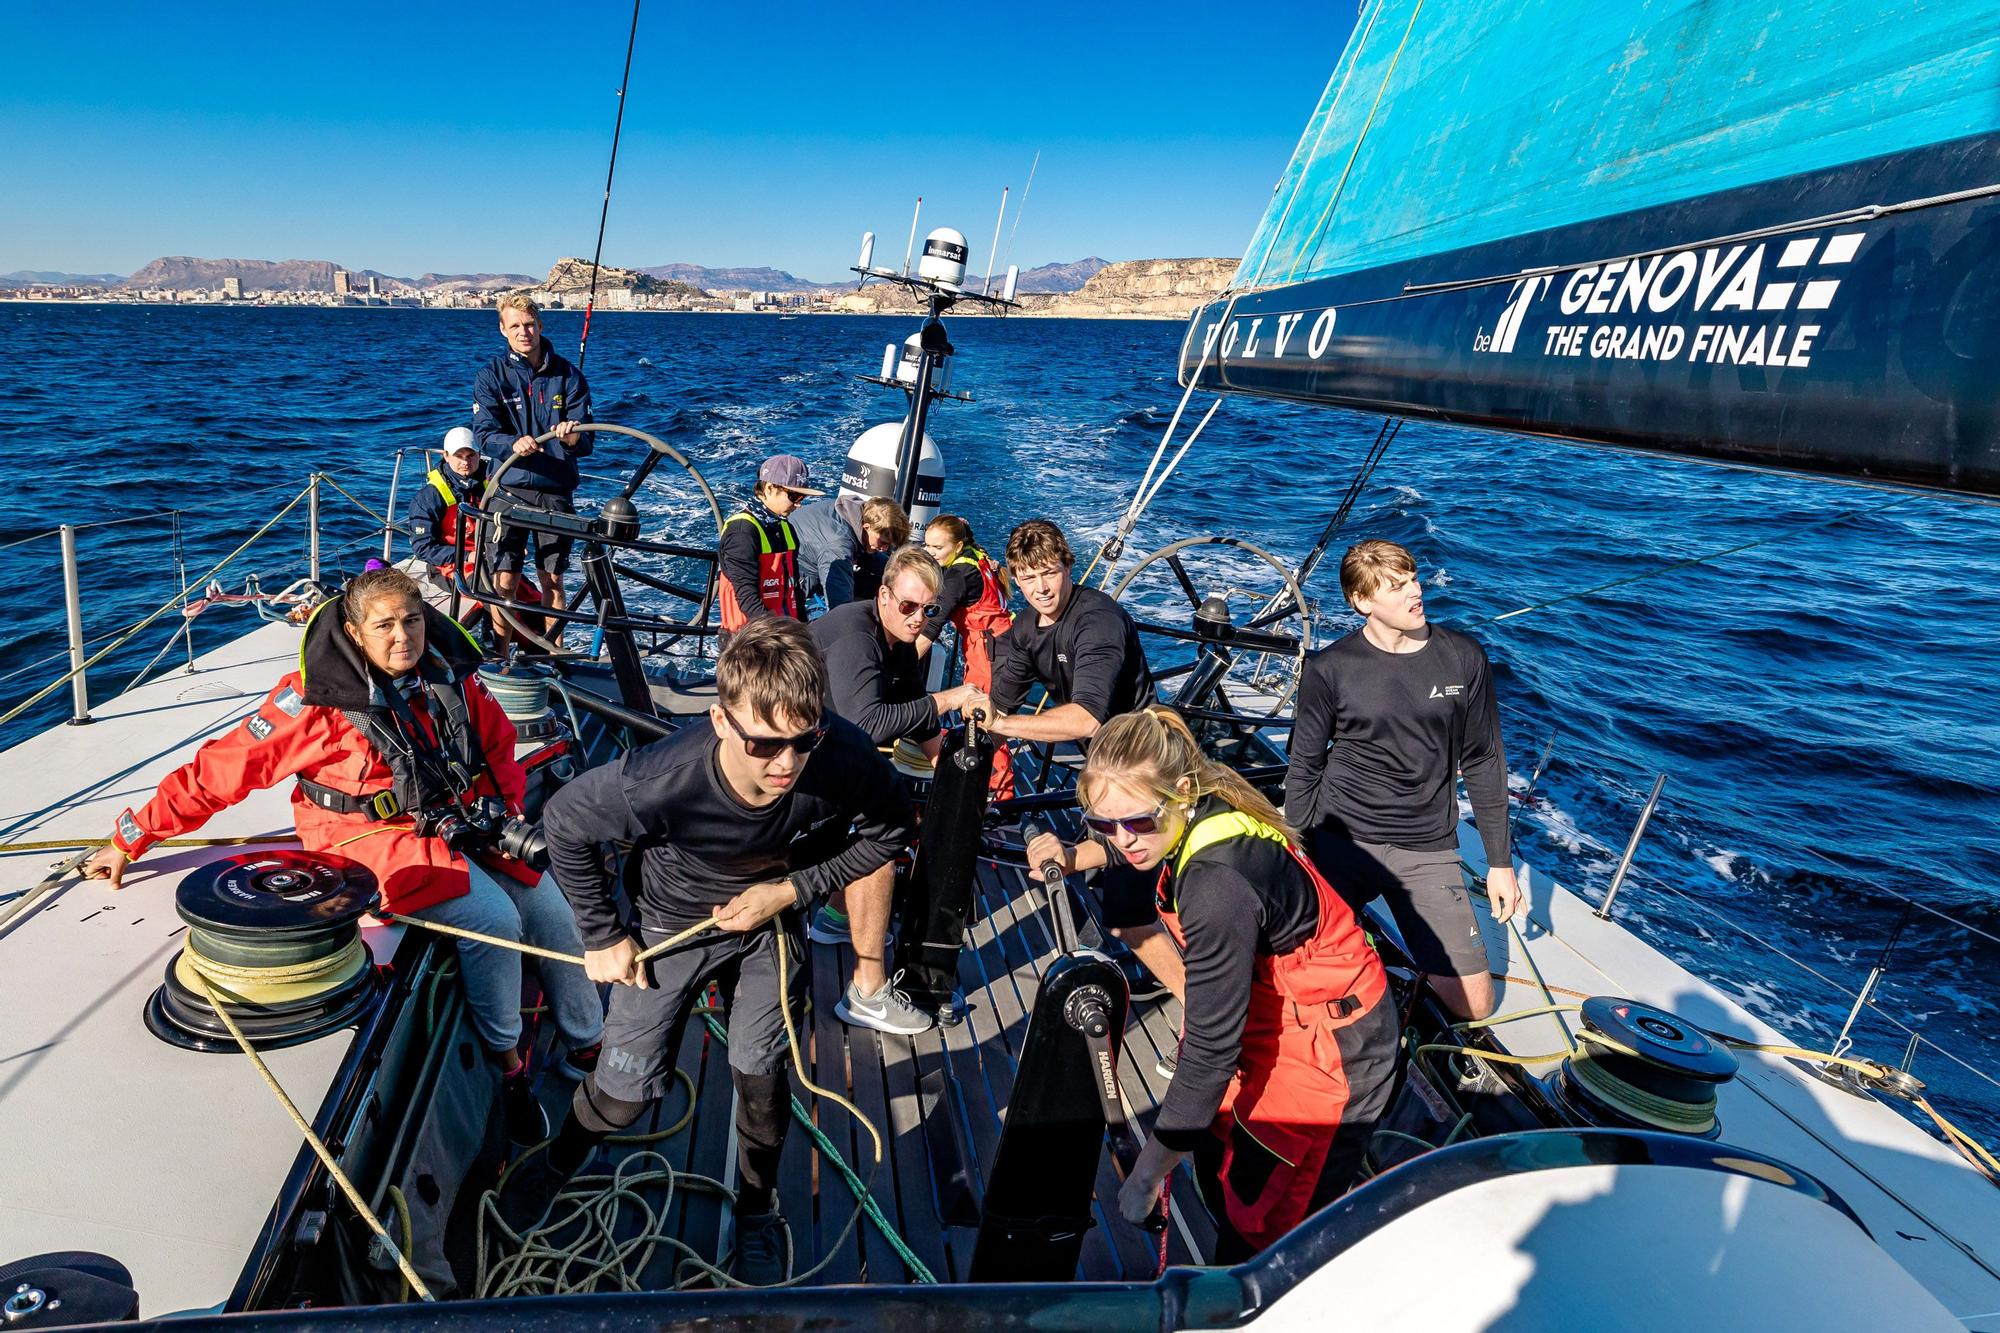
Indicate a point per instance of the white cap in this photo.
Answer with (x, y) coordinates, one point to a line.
(457, 438)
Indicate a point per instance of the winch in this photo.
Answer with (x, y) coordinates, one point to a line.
(274, 934)
(1639, 1067)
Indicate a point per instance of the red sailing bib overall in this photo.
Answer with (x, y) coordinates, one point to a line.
(777, 575)
(1289, 1090)
(977, 625)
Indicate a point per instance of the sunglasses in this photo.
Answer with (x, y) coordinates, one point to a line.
(907, 609)
(1137, 825)
(770, 747)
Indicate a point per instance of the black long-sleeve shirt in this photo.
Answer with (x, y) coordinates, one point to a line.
(1380, 736)
(699, 846)
(873, 683)
(1239, 900)
(1090, 657)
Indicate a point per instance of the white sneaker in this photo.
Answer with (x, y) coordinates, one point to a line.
(887, 1010)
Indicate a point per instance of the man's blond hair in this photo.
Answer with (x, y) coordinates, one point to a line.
(517, 301)
(1370, 566)
(913, 560)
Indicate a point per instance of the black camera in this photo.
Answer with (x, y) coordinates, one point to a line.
(482, 826)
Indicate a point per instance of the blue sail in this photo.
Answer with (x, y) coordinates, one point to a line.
(1755, 232)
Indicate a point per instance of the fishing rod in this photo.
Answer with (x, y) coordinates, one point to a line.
(604, 215)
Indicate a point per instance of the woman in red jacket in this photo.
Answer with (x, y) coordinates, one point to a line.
(384, 718)
(974, 600)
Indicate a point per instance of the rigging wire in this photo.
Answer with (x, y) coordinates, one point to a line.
(604, 214)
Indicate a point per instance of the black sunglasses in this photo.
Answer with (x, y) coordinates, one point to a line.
(907, 608)
(769, 747)
(1137, 825)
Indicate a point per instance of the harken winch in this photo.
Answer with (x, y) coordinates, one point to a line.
(274, 934)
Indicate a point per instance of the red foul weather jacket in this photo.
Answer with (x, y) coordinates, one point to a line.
(306, 728)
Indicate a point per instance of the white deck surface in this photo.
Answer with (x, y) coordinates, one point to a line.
(167, 1160)
(1922, 1203)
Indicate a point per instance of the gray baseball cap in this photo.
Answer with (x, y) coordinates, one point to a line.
(788, 471)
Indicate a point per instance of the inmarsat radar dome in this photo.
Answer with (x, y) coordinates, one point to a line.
(910, 364)
(871, 470)
(943, 261)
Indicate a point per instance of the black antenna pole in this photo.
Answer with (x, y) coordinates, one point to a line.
(617, 128)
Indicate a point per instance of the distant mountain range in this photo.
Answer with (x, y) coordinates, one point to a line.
(62, 279)
(181, 272)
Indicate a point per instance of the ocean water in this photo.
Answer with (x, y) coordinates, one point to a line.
(1820, 701)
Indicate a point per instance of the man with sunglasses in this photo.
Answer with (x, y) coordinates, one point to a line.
(876, 681)
(755, 812)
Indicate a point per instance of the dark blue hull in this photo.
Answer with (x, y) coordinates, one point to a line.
(1844, 322)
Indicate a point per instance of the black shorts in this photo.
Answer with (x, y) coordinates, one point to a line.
(511, 550)
(1425, 893)
(642, 1031)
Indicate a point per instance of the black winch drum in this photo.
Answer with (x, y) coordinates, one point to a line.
(1668, 1081)
(290, 914)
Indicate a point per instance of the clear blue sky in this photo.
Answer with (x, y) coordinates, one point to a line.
(419, 136)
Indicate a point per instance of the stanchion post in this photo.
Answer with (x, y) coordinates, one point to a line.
(312, 528)
(388, 527)
(73, 604)
(1631, 846)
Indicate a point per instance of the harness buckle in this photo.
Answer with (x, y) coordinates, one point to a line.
(385, 805)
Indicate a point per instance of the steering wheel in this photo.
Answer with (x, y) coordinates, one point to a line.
(1265, 653)
(642, 472)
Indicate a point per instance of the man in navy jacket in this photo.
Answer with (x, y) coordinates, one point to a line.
(531, 391)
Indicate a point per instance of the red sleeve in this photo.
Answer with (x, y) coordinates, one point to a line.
(283, 737)
(497, 740)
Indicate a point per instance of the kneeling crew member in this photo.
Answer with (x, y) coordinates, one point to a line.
(711, 812)
(1290, 1046)
(435, 534)
(757, 557)
(972, 598)
(1388, 718)
(384, 719)
(876, 681)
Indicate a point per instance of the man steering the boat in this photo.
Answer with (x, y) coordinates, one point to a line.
(1288, 1053)
(876, 681)
(751, 815)
(1388, 718)
(530, 391)
(385, 730)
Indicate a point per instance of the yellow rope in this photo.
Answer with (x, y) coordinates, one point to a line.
(92, 844)
(231, 976)
(319, 1148)
(654, 951)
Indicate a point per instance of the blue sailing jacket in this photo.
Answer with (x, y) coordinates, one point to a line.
(511, 399)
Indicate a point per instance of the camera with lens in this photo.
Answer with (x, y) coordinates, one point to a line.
(483, 826)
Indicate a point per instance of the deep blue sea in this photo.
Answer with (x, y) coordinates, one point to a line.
(1822, 703)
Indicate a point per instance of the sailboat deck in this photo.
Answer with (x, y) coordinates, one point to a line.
(971, 1068)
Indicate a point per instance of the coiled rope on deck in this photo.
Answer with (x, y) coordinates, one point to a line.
(597, 1235)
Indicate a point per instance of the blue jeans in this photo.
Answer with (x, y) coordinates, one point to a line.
(502, 906)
